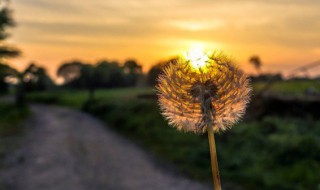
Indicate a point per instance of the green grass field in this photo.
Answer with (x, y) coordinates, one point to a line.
(76, 98)
(273, 153)
(291, 87)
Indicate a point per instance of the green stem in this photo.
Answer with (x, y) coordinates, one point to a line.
(214, 160)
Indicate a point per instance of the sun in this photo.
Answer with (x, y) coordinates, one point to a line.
(197, 57)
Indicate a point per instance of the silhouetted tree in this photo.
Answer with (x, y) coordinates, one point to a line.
(6, 51)
(18, 79)
(103, 74)
(156, 70)
(6, 21)
(70, 71)
(87, 75)
(133, 72)
(109, 74)
(36, 78)
(256, 62)
(33, 78)
(5, 71)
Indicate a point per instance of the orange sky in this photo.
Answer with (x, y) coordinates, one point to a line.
(284, 33)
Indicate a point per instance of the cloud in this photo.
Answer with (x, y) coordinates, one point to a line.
(47, 5)
(257, 24)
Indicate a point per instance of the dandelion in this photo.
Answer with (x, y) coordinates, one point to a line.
(203, 93)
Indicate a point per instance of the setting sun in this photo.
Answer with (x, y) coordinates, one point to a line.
(197, 57)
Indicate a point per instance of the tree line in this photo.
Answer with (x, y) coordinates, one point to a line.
(81, 75)
(77, 75)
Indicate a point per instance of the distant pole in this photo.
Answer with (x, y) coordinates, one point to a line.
(20, 91)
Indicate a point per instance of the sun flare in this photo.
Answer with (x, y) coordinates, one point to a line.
(197, 57)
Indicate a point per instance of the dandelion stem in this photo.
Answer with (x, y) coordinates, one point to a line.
(214, 160)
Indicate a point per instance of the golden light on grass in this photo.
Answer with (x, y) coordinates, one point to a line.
(203, 92)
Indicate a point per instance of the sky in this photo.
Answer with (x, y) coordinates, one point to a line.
(284, 33)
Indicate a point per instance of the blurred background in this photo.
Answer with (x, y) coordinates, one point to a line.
(103, 58)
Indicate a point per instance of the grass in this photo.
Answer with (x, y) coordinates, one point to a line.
(273, 153)
(11, 129)
(291, 87)
(76, 98)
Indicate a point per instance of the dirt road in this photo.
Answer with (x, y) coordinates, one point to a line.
(65, 149)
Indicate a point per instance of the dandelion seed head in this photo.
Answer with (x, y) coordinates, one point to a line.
(193, 97)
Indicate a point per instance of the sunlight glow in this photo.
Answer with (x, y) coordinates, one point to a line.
(197, 25)
(197, 57)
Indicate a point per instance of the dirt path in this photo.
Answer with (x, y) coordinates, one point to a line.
(69, 150)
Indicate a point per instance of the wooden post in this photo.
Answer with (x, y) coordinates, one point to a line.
(214, 160)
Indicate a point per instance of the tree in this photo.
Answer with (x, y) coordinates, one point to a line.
(156, 70)
(103, 74)
(35, 78)
(256, 62)
(80, 75)
(5, 72)
(133, 72)
(6, 51)
(70, 71)
(87, 75)
(6, 21)
(109, 74)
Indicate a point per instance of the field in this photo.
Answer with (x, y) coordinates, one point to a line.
(274, 152)
(76, 98)
(298, 87)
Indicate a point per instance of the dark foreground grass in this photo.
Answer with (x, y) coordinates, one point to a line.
(274, 153)
(11, 129)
